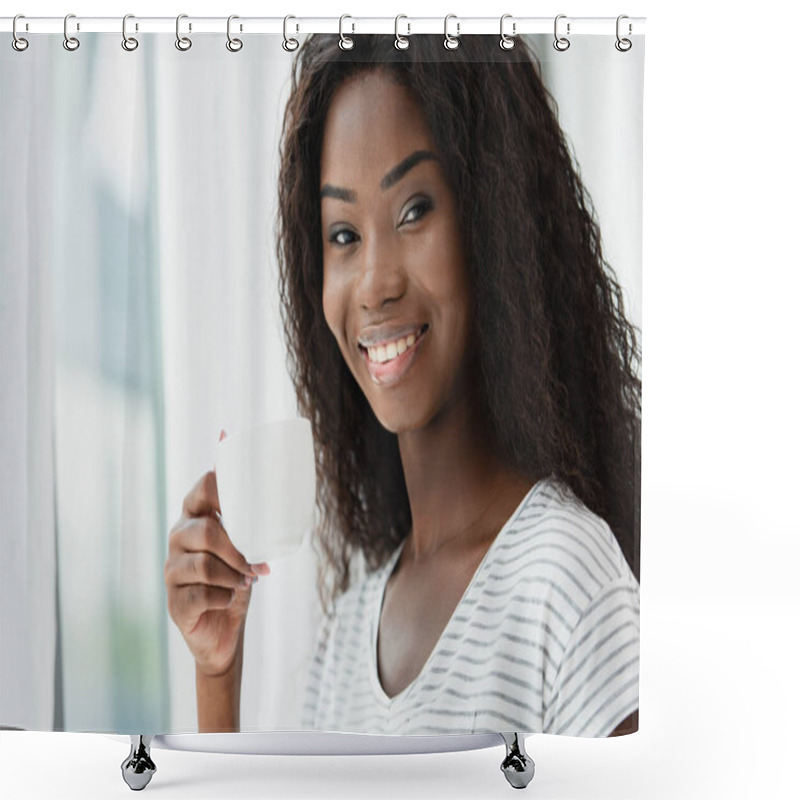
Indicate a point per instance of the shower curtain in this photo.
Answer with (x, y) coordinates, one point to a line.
(144, 312)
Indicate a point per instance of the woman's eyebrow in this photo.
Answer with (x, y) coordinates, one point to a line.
(408, 163)
(389, 179)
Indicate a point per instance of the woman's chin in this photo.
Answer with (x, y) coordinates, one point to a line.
(399, 419)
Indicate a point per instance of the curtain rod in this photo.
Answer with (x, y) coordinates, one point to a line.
(456, 26)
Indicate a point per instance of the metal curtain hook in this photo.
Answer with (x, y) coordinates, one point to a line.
(234, 45)
(506, 42)
(560, 43)
(401, 42)
(182, 42)
(345, 42)
(70, 42)
(18, 43)
(128, 42)
(451, 42)
(623, 45)
(289, 44)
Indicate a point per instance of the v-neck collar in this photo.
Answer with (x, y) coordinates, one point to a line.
(382, 578)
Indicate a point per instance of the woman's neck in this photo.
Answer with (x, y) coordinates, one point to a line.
(458, 487)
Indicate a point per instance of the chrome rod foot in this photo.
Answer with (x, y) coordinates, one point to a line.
(138, 768)
(518, 766)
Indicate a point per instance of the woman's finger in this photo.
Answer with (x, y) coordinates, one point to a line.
(206, 568)
(206, 534)
(203, 498)
(189, 603)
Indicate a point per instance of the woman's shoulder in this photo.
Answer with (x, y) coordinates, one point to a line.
(363, 589)
(348, 615)
(563, 518)
(555, 541)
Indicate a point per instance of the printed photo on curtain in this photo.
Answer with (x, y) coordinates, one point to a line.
(321, 385)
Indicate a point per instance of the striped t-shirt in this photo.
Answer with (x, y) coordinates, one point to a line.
(545, 638)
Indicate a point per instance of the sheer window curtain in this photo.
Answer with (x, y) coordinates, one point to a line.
(27, 489)
(116, 317)
(78, 283)
(139, 280)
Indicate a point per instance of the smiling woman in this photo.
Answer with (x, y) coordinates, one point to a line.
(460, 346)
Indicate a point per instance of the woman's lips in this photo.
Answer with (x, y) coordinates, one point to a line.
(390, 372)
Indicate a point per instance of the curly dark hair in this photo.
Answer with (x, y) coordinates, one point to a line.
(540, 287)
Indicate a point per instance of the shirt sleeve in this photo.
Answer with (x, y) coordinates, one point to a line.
(597, 684)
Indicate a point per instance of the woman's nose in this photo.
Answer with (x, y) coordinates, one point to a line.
(382, 275)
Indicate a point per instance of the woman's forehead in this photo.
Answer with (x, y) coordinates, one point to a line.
(372, 121)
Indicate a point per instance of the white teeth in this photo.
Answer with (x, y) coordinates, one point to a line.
(387, 352)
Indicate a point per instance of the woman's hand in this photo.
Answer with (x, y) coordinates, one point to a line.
(208, 580)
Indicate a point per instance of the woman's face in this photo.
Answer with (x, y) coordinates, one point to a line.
(395, 288)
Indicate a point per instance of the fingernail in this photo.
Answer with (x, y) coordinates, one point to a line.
(247, 580)
(222, 434)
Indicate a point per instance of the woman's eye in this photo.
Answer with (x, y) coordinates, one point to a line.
(417, 211)
(340, 237)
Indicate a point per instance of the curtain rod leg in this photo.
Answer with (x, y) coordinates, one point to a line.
(518, 766)
(138, 768)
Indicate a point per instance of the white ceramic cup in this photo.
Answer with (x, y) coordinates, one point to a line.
(266, 484)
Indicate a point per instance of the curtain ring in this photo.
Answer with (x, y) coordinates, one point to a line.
(289, 44)
(182, 42)
(18, 43)
(506, 42)
(128, 42)
(451, 42)
(234, 45)
(345, 42)
(70, 42)
(561, 43)
(401, 42)
(623, 45)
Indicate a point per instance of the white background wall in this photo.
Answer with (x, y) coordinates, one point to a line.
(720, 700)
